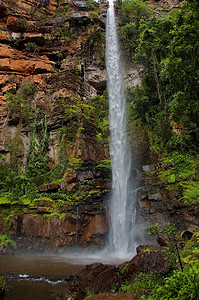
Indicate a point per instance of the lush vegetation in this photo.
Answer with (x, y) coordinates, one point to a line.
(182, 282)
(28, 166)
(165, 46)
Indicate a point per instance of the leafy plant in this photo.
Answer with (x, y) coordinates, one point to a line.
(20, 103)
(180, 285)
(32, 47)
(171, 236)
(143, 284)
(2, 285)
(6, 241)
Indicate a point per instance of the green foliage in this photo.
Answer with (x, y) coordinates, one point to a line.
(191, 192)
(63, 10)
(38, 159)
(185, 165)
(74, 163)
(18, 106)
(5, 199)
(181, 66)
(100, 114)
(16, 147)
(132, 12)
(191, 247)
(81, 117)
(177, 176)
(176, 169)
(32, 47)
(15, 182)
(169, 94)
(143, 284)
(171, 237)
(6, 241)
(89, 295)
(20, 103)
(94, 14)
(2, 284)
(75, 115)
(180, 285)
(61, 32)
(104, 164)
(95, 41)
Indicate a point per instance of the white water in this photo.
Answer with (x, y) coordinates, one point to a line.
(122, 213)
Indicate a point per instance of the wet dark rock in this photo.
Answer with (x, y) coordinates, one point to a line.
(100, 278)
(49, 188)
(96, 278)
(148, 248)
(187, 234)
(147, 261)
(2, 291)
(162, 240)
(81, 4)
(83, 225)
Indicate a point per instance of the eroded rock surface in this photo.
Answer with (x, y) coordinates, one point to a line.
(59, 48)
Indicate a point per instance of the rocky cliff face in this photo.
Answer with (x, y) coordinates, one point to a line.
(58, 47)
(52, 79)
(84, 226)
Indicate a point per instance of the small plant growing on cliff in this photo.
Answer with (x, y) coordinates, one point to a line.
(6, 241)
(20, 103)
(32, 47)
(38, 158)
(2, 285)
(171, 239)
(89, 295)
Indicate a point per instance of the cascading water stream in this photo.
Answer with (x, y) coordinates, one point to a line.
(121, 211)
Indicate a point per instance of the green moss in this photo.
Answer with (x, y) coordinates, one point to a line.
(105, 164)
(20, 103)
(191, 192)
(4, 200)
(43, 199)
(60, 215)
(8, 217)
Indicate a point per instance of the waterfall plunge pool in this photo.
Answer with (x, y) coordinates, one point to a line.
(31, 277)
(41, 276)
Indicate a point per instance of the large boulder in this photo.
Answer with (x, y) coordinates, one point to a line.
(96, 277)
(150, 258)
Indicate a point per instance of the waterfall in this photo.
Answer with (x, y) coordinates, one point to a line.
(122, 212)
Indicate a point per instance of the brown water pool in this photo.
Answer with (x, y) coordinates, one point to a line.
(35, 277)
